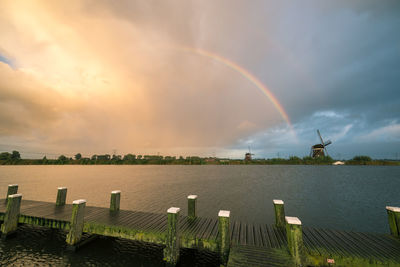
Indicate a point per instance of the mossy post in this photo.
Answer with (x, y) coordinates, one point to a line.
(279, 213)
(224, 240)
(76, 226)
(294, 235)
(394, 220)
(12, 189)
(61, 196)
(115, 200)
(192, 199)
(171, 251)
(11, 216)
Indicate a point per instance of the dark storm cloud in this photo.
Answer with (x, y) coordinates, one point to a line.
(334, 66)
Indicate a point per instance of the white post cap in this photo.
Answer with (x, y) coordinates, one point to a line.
(192, 197)
(15, 195)
(61, 188)
(116, 192)
(394, 209)
(173, 210)
(79, 201)
(224, 213)
(12, 185)
(278, 202)
(292, 220)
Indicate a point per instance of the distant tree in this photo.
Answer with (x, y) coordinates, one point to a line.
(78, 156)
(15, 155)
(104, 157)
(129, 157)
(362, 158)
(139, 157)
(5, 156)
(94, 157)
(62, 158)
(116, 157)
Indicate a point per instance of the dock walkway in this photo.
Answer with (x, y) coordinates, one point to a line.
(250, 244)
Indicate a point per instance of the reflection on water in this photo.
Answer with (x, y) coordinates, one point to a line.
(341, 197)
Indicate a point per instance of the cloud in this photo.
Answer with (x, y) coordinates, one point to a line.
(385, 134)
(91, 76)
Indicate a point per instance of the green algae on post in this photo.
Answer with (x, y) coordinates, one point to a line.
(61, 196)
(76, 226)
(171, 251)
(279, 213)
(224, 237)
(115, 200)
(294, 235)
(11, 215)
(192, 199)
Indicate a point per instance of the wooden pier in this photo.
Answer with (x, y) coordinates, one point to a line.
(287, 243)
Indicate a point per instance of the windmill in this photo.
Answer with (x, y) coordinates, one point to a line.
(319, 150)
(248, 155)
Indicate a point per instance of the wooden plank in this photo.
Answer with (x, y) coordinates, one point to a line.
(351, 242)
(242, 234)
(206, 235)
(264, 236)
(201, 230)
(378, 248)
(335, 242)
(331, 247)
(272, 237)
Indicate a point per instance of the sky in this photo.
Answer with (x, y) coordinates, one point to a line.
(207, 78)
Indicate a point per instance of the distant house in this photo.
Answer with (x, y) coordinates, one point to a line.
(338, 163)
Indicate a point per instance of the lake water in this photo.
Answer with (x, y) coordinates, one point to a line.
(340, 197)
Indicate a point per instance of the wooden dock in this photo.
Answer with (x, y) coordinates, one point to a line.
(247, 244)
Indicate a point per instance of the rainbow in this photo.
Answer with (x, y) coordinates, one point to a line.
(246, 74)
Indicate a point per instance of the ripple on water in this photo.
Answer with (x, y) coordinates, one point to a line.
(38, 246)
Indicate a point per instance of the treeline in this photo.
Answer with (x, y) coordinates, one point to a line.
(14, 158)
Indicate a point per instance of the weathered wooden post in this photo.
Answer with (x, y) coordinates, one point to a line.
(294, 235)
(279, 213)
(12, 189)
(11, 216)
(192, 199)
(224, 240)
(171, 251)
(61, 196)
(76, 225)
(394, 220)
(115, 200)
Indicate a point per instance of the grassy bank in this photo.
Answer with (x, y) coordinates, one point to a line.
(14, 158)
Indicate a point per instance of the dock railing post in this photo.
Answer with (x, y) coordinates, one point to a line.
(115, 200)
(171, 251)
(76, 225)
(394, 220)
(61, 196)
(11, 215)
(294, 235)
(12, 189)
(192, 199)
(279, 213)
(224, 240)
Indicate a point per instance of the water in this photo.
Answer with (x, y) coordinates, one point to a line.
(340, 197)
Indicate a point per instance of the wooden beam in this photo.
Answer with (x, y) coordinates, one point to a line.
(279, 213)
(61, 196)
(76, 225)
(171, 251)
(192, 199)
(294, 235)
(11, 215)
(115, 200)
(224, 239)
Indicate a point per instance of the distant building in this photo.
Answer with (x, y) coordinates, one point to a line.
(247, 156)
